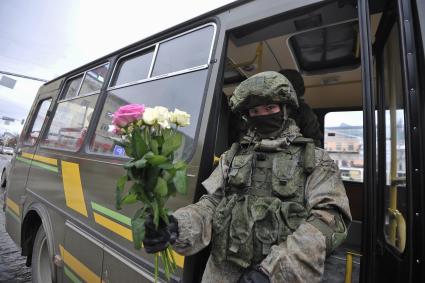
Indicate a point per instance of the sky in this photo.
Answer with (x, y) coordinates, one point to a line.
(47, 38)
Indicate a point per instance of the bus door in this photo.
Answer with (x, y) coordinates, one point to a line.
(25, 157)
(397, 141)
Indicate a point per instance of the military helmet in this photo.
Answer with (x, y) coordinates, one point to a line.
(263, 88)
(296, 80)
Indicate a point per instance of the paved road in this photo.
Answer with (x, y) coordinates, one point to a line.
(12, 264)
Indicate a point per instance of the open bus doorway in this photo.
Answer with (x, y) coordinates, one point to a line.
(323, 44)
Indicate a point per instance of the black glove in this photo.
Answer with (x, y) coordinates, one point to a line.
(253, 275)
(157, 240)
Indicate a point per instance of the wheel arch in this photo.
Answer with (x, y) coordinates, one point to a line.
(35, 215)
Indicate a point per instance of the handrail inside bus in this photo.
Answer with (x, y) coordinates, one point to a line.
(397, 226)
(258, 57)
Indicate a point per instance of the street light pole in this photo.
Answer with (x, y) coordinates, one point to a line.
(23, 76)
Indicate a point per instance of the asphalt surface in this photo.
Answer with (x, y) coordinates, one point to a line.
(12, 264)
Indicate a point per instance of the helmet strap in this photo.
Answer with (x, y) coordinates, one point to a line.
(284, 110)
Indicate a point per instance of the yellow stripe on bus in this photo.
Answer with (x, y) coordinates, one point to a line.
(40, 158)
(74, 196)
(78, 267)
(47, 160)
(27, 155)
(113, 226)
(13, 206)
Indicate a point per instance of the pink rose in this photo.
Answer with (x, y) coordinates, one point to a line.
(116, 130)
(127, 114)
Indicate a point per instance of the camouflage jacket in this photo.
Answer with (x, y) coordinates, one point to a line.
(298, 259)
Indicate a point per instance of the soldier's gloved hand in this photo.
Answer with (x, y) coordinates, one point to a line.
(253, 275)
(157, 240)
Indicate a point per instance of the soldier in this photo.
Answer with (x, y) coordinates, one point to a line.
(276, 205)
(304, 116)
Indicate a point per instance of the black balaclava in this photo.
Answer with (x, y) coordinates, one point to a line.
(268, 125)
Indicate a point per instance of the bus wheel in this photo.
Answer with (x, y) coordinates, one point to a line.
(41, 259)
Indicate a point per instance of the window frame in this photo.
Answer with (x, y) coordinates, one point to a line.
(321, 114)
(129, 56)
(154, 56)
(59, 100)
(327, 70)
(33, 118)
(92, 129)
(81, 84)
(46, 131)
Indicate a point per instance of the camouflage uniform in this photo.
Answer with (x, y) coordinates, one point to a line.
(274, 202)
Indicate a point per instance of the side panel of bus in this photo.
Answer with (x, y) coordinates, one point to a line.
(21, 163)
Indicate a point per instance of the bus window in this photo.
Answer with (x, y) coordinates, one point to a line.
(70, 122)
(344, 142)
(93, 80)
(72, 87)
(92, 83)
(171, 91)
(33, 134)
(184, 52)
(395, 191)
(133, 68)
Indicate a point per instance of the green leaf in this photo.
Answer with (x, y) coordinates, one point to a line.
(128, 164)
(148, 155)
(180, 165)
(129, 199)
(160, 140)
(138, 230)
(129, 150)
(161, 187)
(155, 214)
(164, 215)
(154, 146)
(139, 144)
(141, 163)
(167, 176)
(167, 133)
(171, 144)
(180, 181)
(152, 174)
(157, 160)
(120, 188)
(166, 165)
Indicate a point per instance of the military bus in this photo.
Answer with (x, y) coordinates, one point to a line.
(361, 59)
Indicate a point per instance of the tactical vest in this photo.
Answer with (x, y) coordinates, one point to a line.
(263, 203)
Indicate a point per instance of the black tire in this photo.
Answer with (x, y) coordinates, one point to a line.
(42, 259)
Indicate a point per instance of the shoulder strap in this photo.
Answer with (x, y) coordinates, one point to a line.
(309, 158)
(230, 154)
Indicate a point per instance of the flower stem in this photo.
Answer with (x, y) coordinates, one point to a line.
(156, 267)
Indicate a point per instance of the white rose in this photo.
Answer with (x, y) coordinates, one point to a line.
(150, 116)
(180, 118)
(162, 114)
(165, 124)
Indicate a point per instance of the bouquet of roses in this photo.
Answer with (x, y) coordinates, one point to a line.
(153, 175)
